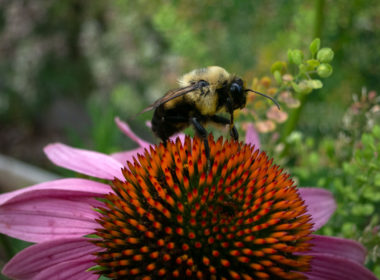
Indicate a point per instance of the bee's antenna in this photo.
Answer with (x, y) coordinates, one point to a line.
(262, 94)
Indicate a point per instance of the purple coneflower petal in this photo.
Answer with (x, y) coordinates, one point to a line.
(76, 269)
(181, 137)
(52, 210)
(320, 204)
(124, 127)
(252, 137)
(52, 255)
(84, 161)
(123, 157)
(328, 267)
(336, 246)
(75, 185)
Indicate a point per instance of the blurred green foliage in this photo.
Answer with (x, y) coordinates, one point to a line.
(349, 166)
(67, 68)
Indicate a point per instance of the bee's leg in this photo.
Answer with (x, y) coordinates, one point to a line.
(202, 132)
(233, 132)
(222, 120)
(165, 142)
(230, 109)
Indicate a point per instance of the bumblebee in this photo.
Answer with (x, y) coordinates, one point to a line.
(203, 93)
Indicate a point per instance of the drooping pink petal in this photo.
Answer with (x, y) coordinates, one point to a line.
(327, 267)
(148, 124)
(74, 270)
(181, 137)
(124, 127)
(40, 213)
(31, 261)
(320, 204)
(336, 246)
(123, 157)
(252, 137)
(84, 161)
(75, 185)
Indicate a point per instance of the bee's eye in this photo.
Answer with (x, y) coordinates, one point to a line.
(202, 83)
(235, 88)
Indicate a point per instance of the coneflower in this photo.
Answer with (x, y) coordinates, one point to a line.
(178, 215)
(171, 213)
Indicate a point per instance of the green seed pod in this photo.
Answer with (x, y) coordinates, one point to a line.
(302, 87)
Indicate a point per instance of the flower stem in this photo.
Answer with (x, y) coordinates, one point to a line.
(294, 115)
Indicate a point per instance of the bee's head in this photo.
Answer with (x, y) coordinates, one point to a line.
(238, 94)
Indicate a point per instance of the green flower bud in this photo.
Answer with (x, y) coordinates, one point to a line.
(315, 84)
(324, 70)
(278, 66)
(325, 55)
(302, 87)
(303, 68)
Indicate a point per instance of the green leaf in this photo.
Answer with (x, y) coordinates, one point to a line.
(376, 180)
(92, 235)
(348, 228)
(348, 168)
(98, 210)
(314, 46)
(96, 268)
(313, 63)
(361, 178)
(358, 210)
(376, 131)
(368, 142)
(368, 209)
(371, 194)
(296, 87)
(277, 76)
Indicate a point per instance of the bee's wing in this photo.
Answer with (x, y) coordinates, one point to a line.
(170, 95)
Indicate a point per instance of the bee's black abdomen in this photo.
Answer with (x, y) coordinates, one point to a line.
(162, 128)
(166, 123)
